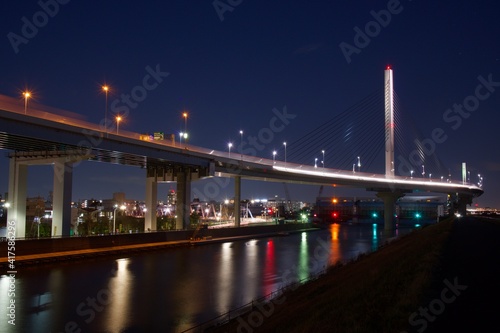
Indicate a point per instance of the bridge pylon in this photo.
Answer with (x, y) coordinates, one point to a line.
(389, 123)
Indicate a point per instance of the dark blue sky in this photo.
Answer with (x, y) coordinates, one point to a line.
(230, 63)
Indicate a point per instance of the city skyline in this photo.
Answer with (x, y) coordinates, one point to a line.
(231, 69)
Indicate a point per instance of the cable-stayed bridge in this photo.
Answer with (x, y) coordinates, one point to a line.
(346, 147)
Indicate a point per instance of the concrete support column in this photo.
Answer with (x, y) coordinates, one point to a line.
(151, 200)
(461, 204)
(390, 199)
(61, 205)
(18, 176)
(183, 205)
(237, 201)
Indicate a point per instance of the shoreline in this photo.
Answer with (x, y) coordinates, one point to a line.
(31, 259)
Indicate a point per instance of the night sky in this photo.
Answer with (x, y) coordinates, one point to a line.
(230, 63)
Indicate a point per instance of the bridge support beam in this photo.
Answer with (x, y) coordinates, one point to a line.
(61, 206)
(389, 199)
(151, 200)
(183, 205)
(18, 176)
(237, 201)
(460, 202)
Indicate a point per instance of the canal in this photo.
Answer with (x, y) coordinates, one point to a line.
(174, 289)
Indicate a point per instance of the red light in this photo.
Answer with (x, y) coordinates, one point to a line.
(334, 214)
(388, 67)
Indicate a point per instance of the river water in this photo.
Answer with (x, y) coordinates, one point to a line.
(175, 289)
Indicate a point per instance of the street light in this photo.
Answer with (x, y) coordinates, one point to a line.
(323, 162)
(181, 134)
(241, 144)
(274, 156)
(423, 171)
(118, 119)
(26, 95)
(284, 143)
(122, 207)
(106, 89)
(359, 164)
(315, 162)
(411, 174)
(185, 116)
(229, 145)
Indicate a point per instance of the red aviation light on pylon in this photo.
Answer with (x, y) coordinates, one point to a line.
(388, 67)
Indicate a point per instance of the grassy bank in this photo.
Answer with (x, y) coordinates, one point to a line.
(377, 293)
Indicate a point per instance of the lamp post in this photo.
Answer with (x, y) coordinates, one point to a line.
(411, 174)
(185, 116)
(106, 89)
(122, 207)
(423, 171)
(241, 144)
(274, 156)
(359, 164)
(284, 144)
(26, 95)
(118, 119)
(181, 134)
(323, 161)
(315, 162)
(229, 145)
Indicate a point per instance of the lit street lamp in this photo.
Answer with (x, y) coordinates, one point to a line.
(118, 119)
(106, 89)
(323, 161)
(274, 157)
(122, 207)
(229, 145)
(26, 95)
(185, 116)
(411, 174)
(359, 163)
(284, 143)
(241, 144)
(315, 162)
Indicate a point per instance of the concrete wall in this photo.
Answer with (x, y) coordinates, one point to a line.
(48, 245)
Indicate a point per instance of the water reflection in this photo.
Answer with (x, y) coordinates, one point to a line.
(175, 289)
(225, 278)
(303, 269)
(117, 295)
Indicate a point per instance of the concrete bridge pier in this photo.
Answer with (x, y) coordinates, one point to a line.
(389, 199)
(61, 206)
(237, 201)
(18, 177)
(62, 162)
(183, 205)
(151, 199)
(460, 203)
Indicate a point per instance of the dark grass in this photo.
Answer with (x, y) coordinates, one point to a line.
(376, 293)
